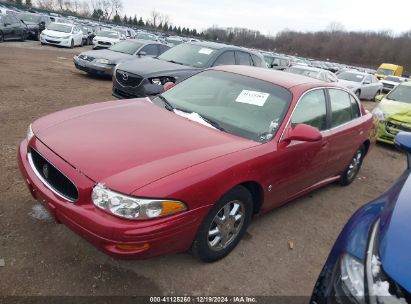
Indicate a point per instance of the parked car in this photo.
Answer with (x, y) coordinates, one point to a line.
(390, 82)
(146, 36)
(88, 35)
(276, 62)
(102, 62)
(369, 262)
(147, 76)
(62, 34)
(365, 86)
(105, 39)
(189, 168)
(389, 69)
(313, 72)
(12, 28)
(394, 113)
(35, 24)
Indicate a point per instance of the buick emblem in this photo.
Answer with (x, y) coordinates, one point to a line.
(125, 76)
(46, 171)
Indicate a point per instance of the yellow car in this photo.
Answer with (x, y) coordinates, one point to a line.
(388, 69)
(394, 113)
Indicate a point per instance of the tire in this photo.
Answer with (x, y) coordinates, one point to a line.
(23, 37)
(82, 42)
(1, 37)
(42, 43)
(222, 229)
(354, 167)
(72, 44)
(38, 36)
(358, 93)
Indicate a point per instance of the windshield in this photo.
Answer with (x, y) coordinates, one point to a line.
(108, 34)
(189, 54)
(305, 72)
(385, 72)
(240, 105)
(126, 47)
(29, 18)
(401, 93)
(59, 27)
(393, 79)
(146, 37)
(351, 76)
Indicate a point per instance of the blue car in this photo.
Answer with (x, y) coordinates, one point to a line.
(371, 259)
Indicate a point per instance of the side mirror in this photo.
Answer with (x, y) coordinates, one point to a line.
(141, 53)
(403, 142)
(168, 85)
(303, 132)
(379, 97)
(7, 24)
(367, 82)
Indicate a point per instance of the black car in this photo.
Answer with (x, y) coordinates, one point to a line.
(102, 62)
(88, 35)
(144, 77)
(12, 28)
(36, 23)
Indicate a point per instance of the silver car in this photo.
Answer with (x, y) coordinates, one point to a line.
(364, 85)
(313, 72)
(390, 82)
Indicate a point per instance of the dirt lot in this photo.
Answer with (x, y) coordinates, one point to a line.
(42, 258)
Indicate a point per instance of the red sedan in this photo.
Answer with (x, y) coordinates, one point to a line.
(190, 167)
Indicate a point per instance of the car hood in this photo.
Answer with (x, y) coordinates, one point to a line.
(129, 144)
(350, 84)
(395, 231)
(396, 111)
(100, 38)
(151, 67)
(110, 55)
(389, 82)
(55, 33)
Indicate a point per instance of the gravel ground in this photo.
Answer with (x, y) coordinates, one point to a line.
(43, 258)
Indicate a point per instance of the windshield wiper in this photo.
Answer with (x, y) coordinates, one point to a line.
(212, 122)
(167, 104)
(172, 61)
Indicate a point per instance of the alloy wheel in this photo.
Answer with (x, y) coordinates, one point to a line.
(226, 225)
(355, 165)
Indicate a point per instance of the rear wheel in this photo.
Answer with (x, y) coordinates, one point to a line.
(224, 225)
(1, 37)
(354, 167)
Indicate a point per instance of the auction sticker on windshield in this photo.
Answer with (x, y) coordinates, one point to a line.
(205, 51)
(252, 97)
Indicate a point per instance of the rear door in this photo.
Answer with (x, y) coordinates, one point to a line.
(346, 129)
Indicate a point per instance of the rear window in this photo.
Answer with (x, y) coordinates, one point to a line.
(189, 54)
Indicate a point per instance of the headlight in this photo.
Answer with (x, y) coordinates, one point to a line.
(103, 61)
(352, 276)
(30, 133)
(132, 207)
(378, 113)
(162, 80)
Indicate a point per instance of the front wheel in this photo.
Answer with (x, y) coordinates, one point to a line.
(353, 168)
(224, 225)
(72, 44)
(358, 93)
(1, 37)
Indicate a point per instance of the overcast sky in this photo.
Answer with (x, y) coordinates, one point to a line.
(271, 16)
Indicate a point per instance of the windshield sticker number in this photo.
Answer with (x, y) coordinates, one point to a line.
(205, 51)
(252, 97)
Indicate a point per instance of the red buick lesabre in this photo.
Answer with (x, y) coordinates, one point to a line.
(190, 167)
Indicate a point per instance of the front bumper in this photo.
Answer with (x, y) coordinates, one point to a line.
(55, 41)
(163, 236)
(387, 130)
(143, 89)
(102, 44)
(93, 67)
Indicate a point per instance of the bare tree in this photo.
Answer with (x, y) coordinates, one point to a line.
(154, 17)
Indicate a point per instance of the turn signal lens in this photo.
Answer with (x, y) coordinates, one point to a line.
(132, 247)
(169, 208)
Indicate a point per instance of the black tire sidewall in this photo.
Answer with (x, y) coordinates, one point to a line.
(72, 43)
(344, 180)
(200, 247)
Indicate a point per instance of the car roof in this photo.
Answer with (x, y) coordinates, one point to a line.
(284, 79)
(63, 23)
(309, 68)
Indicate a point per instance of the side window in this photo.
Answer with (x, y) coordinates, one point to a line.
(150, 49)
(257, 61)
(355, 109)
(311, 110)
(374, 79)
(162, 48)
(340, 107)
(367, 79)
(225, 59)
(243, 58)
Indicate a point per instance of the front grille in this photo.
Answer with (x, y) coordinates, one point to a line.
(128, 79)
(104, 43)
(55, 180)
(52, 41)
(85, 57)
(395, 128)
